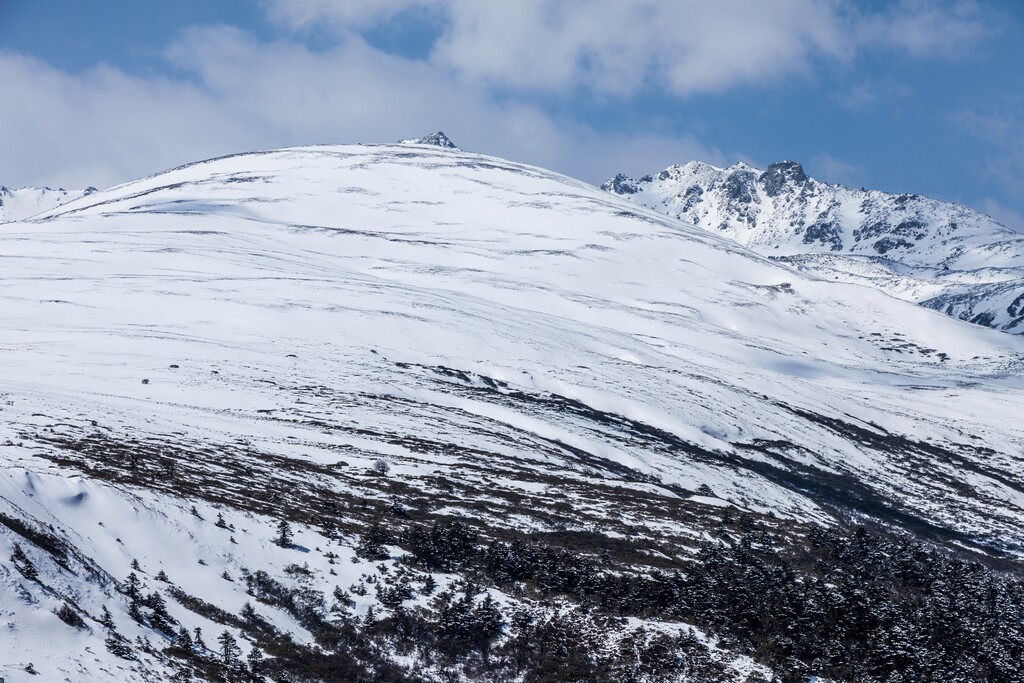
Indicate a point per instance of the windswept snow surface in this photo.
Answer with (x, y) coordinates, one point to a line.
(308, 311)
(941, 255)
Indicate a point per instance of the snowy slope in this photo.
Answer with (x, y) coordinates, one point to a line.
(24, 202)
(944, 256)
(256, 331)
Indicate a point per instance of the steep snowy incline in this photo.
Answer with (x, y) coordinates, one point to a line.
(257, 331)
(944, 256)
(17, 204)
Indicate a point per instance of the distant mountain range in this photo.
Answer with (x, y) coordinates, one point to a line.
(941, 255)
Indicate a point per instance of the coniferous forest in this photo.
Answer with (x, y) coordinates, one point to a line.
(851, 604)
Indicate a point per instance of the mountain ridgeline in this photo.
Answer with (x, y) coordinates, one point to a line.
(24, 202)
(944, 256)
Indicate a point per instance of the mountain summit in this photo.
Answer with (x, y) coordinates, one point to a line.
(438, 139)
(941, 255)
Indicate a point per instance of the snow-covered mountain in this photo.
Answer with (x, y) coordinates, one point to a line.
(24, 202)
(941, 255)
(518, 427)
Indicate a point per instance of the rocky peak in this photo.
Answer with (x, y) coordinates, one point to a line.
(738, 183)
(620, 184)
(438, 139)
(780, 175)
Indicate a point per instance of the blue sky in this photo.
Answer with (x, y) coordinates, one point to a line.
(906, 96)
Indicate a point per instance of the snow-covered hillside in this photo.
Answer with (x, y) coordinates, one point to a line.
(944, 256)
(342, 334)
(24, 202)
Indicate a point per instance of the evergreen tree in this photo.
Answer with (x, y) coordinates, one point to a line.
(183, 639)
(131, 587)
(371, 545)
(118, 646)
(160, 619)
(487, 623)
(23, 564)
(284, 534)
(330, 529)
(230, 653)
(255, 661)
(343, 601)
(249, 614)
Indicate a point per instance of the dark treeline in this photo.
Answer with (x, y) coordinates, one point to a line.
(847, 605)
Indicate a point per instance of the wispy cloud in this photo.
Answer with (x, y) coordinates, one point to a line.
(830, 169)
(869, 95)
(1003, 129)
(927, 28)
(1006, 215)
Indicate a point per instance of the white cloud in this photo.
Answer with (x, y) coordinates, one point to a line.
(1006, 215)
(620, 46)
(104, 126)
(101, 125)
(828, 168)
(342, 15)
(869, 95)
(927, 28)
(1004, 131)
(614, 46)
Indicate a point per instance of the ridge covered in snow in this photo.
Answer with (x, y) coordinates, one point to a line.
(359, 338)
(24, 202)
(941, 255)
